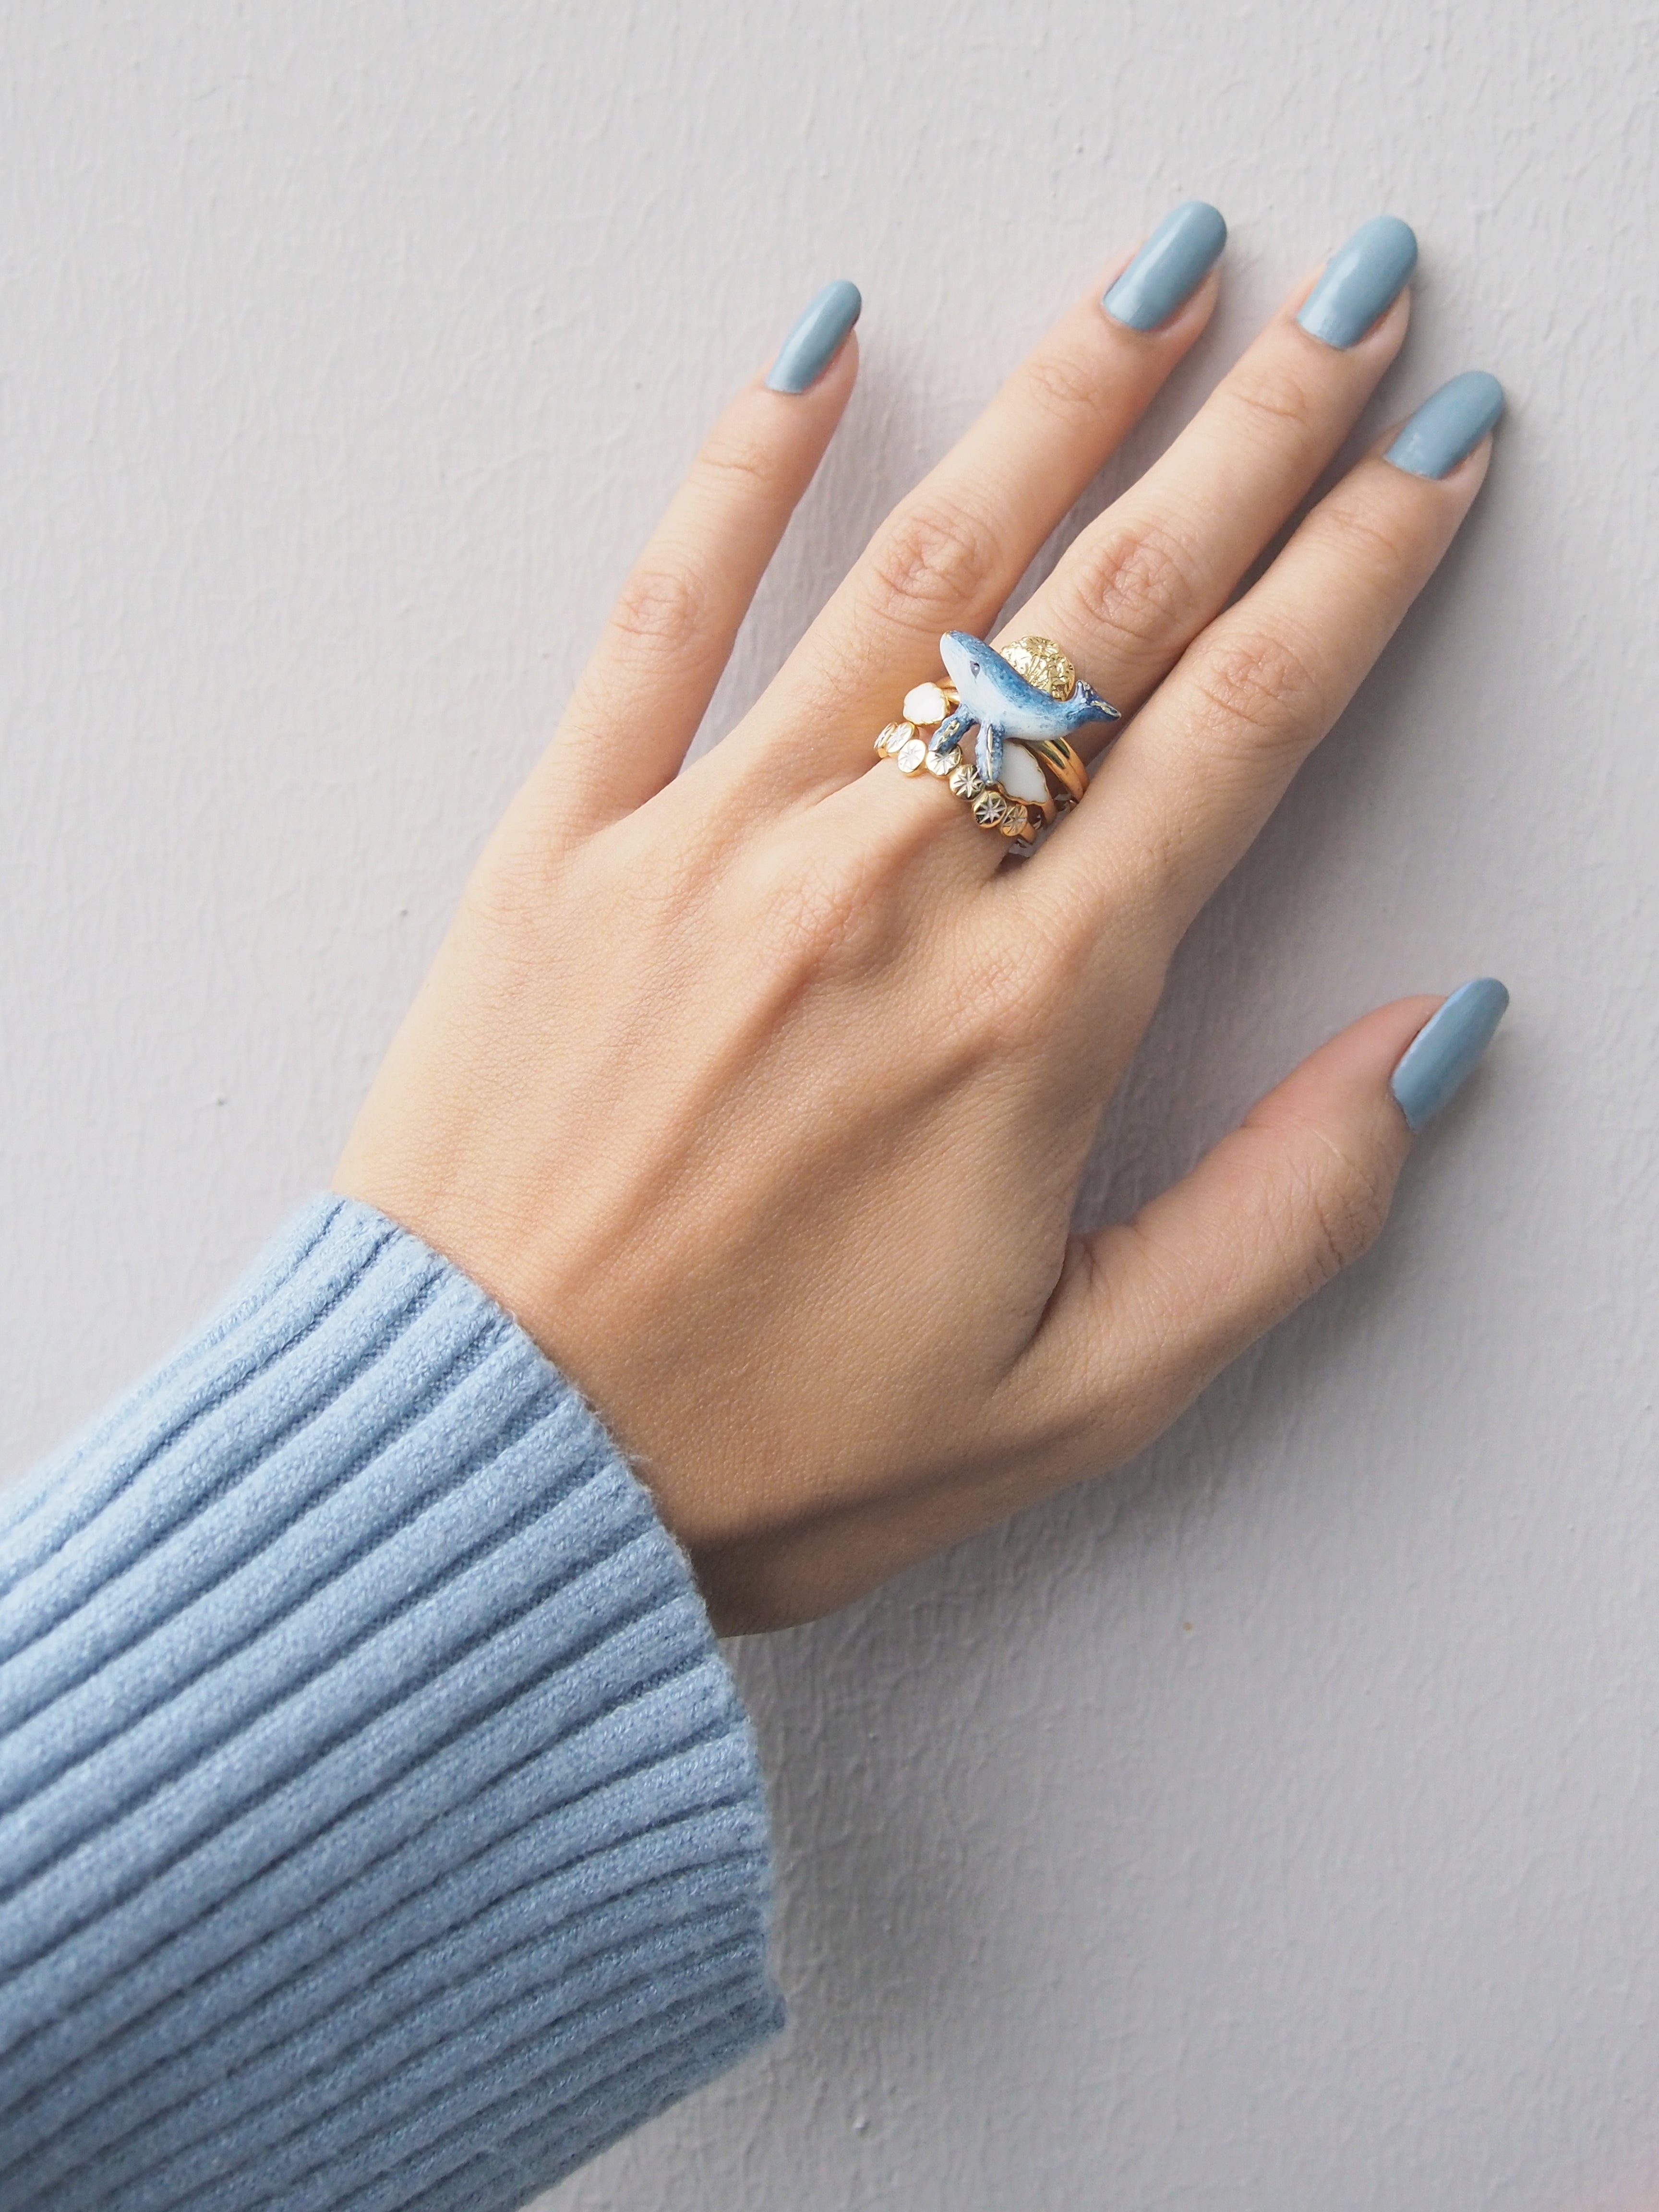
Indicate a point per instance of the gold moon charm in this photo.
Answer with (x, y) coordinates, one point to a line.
(1042, 664)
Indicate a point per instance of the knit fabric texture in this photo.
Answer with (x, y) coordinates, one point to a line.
(379, 1829)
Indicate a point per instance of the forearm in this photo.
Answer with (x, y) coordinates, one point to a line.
(380, 1822)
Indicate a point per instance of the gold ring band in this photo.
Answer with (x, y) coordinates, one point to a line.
(1041, 673)
(905, 743)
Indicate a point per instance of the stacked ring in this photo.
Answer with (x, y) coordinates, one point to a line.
(1024, 703)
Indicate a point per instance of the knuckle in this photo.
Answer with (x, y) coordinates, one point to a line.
(510, 894)
(736, 457)
(811, 908)
(1378, 545)
(1138, 585)
(1061, 383)
(930, 558)
(1271, 397)
(1137, 884)
(1341, 1214)
(660, 612)
(1006, 998)
(1259, 683)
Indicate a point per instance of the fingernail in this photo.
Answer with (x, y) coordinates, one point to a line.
(1361, 279)
(1170, 268)
(1448, 425)
(817, 339)
(1441, 1056)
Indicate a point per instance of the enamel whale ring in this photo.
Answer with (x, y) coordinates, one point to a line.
(1027, 705)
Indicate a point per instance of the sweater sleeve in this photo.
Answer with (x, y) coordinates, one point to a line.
(379, 1829)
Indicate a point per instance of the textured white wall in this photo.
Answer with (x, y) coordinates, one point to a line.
(1275, 1825)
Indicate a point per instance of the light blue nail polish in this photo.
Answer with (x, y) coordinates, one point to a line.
(1442, 1054)
(1170, 268)
(817, 339)
(1361, 279)
(1448, 425)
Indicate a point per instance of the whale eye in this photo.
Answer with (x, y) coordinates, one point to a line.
(974, 666)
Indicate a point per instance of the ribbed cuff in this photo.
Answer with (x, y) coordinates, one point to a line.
(379, 1828)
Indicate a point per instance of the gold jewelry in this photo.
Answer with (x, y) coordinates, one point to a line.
(914, 742)
(905, 743)
(1064, 767)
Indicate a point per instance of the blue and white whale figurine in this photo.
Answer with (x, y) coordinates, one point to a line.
(1005, 707)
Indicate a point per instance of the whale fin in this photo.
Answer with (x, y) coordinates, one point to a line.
(950, 732)
(1088, 694)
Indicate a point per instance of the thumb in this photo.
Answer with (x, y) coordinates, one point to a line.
(1293, 1196)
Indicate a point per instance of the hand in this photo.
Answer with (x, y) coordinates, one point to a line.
(760, 1094)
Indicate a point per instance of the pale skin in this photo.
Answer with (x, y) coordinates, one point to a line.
(760, 1093)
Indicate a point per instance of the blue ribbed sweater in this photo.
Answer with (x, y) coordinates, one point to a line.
(380, 1829)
